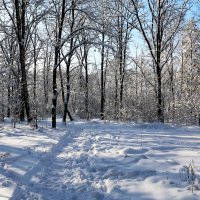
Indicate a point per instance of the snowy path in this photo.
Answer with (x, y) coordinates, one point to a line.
(104, 161)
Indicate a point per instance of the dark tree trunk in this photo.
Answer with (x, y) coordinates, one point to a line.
(66, 102)
(160, 110)
(56, 59)
(9, 95)
(66, 99)
(20, 10)
(68, 63)
(102, 78)
(61, 82)
(171, 75)
(35, 57)
(45, 82)
(21, 108)
(8, 109)
(54, 98)
(86, 82)
(160, 105)
(120, 46)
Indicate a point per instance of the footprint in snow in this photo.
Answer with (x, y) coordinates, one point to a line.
(134, 151)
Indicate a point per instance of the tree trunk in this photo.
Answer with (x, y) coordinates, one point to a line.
(46, 70)
(116, 95)
(160, 108)
(68, 63)
(35, 82)
(66, 102)
(54, 98)
(102, 78)
(57, 51)
(21, 31)
(8, 108)
(61, 83)
(86, 82)
(120, 55)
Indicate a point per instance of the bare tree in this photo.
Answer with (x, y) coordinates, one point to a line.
(159, 22)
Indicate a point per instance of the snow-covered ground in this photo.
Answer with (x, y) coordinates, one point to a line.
(99, 161)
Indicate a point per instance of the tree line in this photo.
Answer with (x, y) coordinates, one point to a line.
(110, 59)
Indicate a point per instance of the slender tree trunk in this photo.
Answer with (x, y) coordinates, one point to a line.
(45, 81)
(116, 95)
(56, 59)
(61, 83)
(86, 82)
(9, 95)
(66, 99)
(62, 89)
(46, 70)
(35, 83)
(182, 68)
(102, 78)
(68, 64)
(120, 52)
(2, 105)
(171, 75)
(55, 94)
(173, 94)
(8, 109)
(66, 102)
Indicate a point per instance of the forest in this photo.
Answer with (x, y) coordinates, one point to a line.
(122, 60)
(99, 100)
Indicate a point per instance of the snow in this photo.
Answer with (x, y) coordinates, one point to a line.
(99, 161)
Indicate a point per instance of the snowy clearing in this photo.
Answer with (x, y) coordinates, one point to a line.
(100, 160)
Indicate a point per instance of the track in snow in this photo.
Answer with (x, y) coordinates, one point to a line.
(105, 161)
